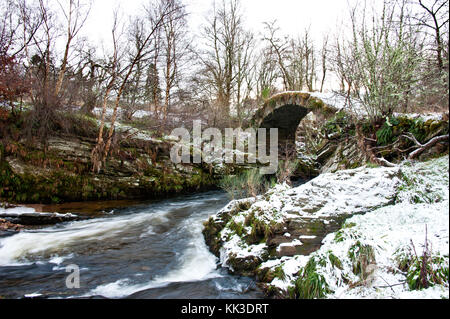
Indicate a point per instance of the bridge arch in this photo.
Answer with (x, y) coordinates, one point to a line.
(286, 110)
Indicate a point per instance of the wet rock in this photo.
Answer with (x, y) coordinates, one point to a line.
(8, 226)
(35, 219)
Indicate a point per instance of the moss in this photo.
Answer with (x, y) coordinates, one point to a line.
(315, 103)
(58, 185)
(211, 232)
(237, 228)
(316, 227)
(339, 125)
(265, 274)
(244, 266)
(348, 225)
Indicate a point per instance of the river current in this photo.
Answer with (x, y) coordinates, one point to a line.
(139, 250)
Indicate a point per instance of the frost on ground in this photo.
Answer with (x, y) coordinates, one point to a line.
(303, 242)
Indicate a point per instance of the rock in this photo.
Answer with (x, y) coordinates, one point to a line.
(294, 221)
(287, 250)
(36, 219)
(8, 226)
(344, 155)
(135, 169)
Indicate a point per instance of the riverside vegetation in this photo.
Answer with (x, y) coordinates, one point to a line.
(357, 208)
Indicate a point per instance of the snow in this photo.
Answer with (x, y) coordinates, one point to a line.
(390, 208)
(293, 243)
(28, 211)
(387, 229)
(336, 100)
(340, 102)
(425, 117)
(328, 195)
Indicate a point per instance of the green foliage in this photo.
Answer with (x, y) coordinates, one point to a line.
(417, 189)
(385, 134)
(422, 271)
(310, 284)
(260, 230)
(417, 128)
(340, 123)
(335, 261)
(265, 94)
(425, 272)
(279, 273)
(238, 228)
(345, 232)
(372, 165)
(250, 183)
(361, 257)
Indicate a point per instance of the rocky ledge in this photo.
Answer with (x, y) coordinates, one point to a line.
(289, 221)
(22, 216)
(15, 219)
(276, 237)
(62, 173)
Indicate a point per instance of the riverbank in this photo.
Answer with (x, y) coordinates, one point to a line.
(352, 234)
(139, 167)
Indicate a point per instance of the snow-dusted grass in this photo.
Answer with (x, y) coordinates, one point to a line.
(364, 259)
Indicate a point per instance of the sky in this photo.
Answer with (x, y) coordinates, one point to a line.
(293, 16)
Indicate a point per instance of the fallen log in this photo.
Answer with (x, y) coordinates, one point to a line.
(423, 147)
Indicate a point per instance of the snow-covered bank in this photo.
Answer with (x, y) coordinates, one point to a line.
(370, 256)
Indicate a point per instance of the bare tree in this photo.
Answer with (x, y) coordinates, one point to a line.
(227, 56)
(324, 60)
(174, 48)
(134, 90)
(436, 18)
(280, 49)
(385, 55)
(243, 70)
(309, 59)
(296, 58)
(19, 24)
(75, 14)
(112, 67)
(122, 75)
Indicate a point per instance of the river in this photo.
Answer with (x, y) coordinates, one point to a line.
(138, 250)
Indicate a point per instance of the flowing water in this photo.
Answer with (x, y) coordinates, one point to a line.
(146, 250)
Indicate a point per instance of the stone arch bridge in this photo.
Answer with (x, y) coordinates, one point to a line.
(286, 110)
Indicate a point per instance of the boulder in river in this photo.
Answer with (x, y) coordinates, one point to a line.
(24, 216)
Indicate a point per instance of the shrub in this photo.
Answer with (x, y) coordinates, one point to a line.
(310, 284)
(385, 134)
(422, 271)
(361, 257)
(249, 183)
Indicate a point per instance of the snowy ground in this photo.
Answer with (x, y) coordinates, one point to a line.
(422, 206)
(401, 207)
